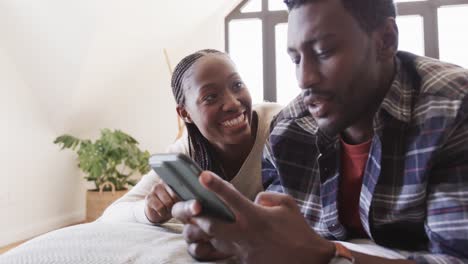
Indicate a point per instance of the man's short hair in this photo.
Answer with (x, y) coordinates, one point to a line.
(370, 14)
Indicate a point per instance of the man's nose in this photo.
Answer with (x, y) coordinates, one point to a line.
(308, 73)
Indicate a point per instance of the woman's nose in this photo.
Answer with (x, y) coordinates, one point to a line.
(231, 102)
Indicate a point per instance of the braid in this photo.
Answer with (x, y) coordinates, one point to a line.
(182, 68)
(200, 149)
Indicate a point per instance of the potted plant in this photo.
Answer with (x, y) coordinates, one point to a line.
(109, 162)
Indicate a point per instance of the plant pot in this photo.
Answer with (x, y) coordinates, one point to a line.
(98, 200)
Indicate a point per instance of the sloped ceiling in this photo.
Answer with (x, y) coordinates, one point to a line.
(71, 53)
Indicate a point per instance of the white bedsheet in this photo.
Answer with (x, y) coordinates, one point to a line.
(104, 242)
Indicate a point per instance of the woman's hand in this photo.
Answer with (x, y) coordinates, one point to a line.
(159, 203)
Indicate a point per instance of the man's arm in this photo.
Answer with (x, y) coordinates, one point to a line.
(270, 231)
(447, 205)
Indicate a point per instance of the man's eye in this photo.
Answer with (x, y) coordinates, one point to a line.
(295, 60)
(324, 54)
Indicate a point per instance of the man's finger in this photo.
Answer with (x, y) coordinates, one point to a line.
(271, 199)
(194, 234)
(205, 252)
(223, 189)
(184, 211)
(214, 227)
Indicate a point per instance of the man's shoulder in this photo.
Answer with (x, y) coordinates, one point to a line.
(442, 88)
(294, 122)
(437, 78)
(291, 112)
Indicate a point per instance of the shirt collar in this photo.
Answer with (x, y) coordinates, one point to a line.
(399, 98)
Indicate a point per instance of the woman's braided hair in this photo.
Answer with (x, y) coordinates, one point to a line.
(200, 149)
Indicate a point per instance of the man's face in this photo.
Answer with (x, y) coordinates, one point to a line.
(336, 64)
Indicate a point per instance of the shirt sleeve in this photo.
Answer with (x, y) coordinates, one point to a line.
(131, 207)
(447, 204)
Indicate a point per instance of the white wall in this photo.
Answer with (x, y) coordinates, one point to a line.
(76, 67)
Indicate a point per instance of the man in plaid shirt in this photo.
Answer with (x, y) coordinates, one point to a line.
(375, 147)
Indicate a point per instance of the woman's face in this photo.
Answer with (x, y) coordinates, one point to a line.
(217, 101)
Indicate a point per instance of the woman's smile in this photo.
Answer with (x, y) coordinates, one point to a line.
(236, 122)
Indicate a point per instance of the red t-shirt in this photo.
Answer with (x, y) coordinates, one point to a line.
(353, 163)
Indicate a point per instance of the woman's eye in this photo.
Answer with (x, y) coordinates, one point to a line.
(238, 85)
(209, 98)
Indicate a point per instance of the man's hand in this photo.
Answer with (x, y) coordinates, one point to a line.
(270, 231)
(159, 202)
(199, 244)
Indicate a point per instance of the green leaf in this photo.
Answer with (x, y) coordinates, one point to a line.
(67, 141)
(99, 159)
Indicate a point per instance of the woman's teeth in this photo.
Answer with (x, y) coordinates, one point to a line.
(234, 122)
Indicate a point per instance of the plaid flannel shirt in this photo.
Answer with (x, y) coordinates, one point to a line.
(415, 185)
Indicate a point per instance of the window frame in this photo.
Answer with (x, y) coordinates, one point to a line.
(428, 11)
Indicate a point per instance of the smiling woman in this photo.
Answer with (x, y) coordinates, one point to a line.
(217, 109)
(225, 134)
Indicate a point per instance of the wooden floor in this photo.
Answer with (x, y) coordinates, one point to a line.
(11, 246)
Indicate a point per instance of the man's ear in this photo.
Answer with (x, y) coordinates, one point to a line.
(387, 39)
(183, 114)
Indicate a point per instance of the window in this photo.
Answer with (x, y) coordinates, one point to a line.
(254, 46)
(452, 22)
(256, 40)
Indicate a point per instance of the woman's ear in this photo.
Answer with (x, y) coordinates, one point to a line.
(387, 40)
(183, 114)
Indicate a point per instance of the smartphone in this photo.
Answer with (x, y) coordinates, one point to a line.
(181, 174)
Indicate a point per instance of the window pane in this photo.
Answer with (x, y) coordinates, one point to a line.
(245, 48)
(286, 82)
(275, 5)
(453, 43)
(411, 34)
(252, 6)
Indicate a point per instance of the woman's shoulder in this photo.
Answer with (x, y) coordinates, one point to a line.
(268, 106)
(266, 111)
(181, 144)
